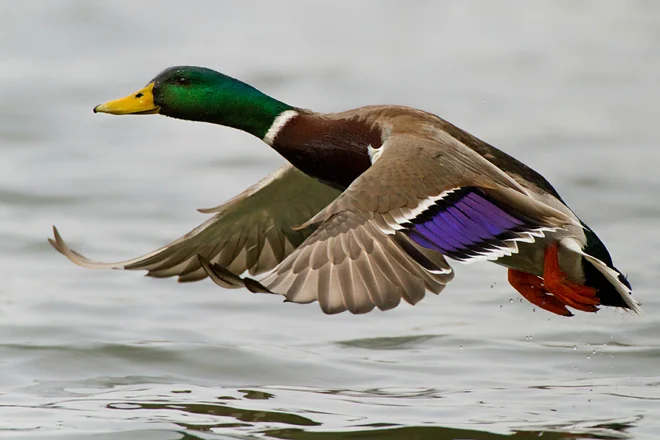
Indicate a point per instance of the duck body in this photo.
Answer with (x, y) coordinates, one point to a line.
(335, 149)
(374, 200)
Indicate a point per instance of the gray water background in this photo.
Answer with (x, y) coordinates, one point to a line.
(570, 88)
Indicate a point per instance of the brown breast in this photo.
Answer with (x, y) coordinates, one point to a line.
(333, 151)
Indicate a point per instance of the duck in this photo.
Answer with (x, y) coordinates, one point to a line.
(369, 208)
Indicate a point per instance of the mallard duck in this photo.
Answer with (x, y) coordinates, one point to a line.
(370, 205)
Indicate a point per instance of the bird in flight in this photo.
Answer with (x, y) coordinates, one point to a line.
(369, 207)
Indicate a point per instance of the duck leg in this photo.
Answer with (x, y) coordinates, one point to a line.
(532, 289)
(554, 291)
(572, 294)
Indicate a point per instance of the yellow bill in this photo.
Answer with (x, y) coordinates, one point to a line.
(139, 103)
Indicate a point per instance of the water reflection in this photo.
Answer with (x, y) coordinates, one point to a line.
(219, 410)
(433, 433)
(235, 420)
(389, 343)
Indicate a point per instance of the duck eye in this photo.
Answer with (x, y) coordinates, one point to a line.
(182, 81)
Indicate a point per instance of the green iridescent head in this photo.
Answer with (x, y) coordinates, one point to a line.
(201, 94)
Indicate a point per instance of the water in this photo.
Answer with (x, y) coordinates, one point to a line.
(571, 89)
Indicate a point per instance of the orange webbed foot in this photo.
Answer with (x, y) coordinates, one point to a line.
(531, 288)
(572, 294)
(554, 291)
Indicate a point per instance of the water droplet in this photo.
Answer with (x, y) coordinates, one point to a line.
(500, 306)
(460, 347)
(534, 310)
(575, 368)
(492, 285)
(511, 300)
(574, 347)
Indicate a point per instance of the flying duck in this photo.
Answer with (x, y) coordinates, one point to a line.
(369, 207)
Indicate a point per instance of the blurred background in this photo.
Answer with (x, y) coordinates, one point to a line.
(570, 88)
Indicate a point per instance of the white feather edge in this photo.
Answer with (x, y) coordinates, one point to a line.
(610, 274)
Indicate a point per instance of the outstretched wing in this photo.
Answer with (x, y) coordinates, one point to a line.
(252, 232)
(373, 245)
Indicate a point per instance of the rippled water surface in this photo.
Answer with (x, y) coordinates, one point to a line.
(571, 88)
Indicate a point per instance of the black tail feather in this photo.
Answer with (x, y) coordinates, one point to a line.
(607, 293)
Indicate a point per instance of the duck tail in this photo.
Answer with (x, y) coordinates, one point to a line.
(614, 289)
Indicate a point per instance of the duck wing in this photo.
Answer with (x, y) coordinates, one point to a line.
(251, 232)
(373, 245)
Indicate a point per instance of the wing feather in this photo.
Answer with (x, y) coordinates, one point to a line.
(369, 249)
(252, 232)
